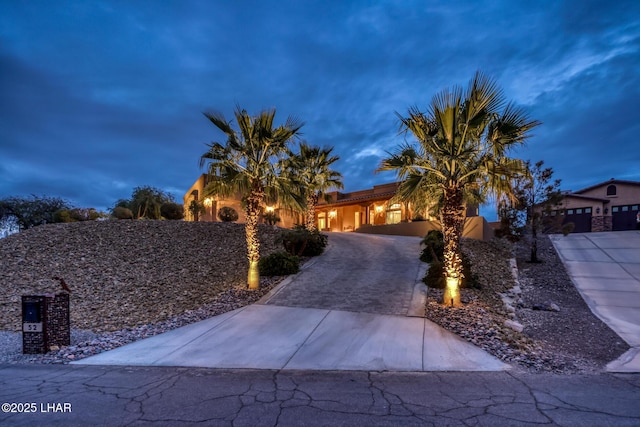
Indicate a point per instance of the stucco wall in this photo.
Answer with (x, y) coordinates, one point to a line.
(475, 228)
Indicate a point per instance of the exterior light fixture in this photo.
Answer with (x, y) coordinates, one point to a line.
(208, 202)
(270, 208)
(452, 288)
(333, 214)
(378, 209)
(597, 210)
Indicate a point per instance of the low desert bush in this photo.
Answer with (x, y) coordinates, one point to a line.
(172, 211)
(302, 242)
(279, 263)
(435, 275)
(227, 214)
(434, 247)
(120, 212)
(271, 218)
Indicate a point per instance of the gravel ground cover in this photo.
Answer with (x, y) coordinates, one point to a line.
(128, 279)
(559, 333)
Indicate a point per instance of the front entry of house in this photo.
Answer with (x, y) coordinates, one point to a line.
(322, 221)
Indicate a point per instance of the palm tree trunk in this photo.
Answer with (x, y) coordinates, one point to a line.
(253, 243)
(312, 201)
(453, 217)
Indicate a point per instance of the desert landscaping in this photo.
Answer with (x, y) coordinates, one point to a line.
(134, 279)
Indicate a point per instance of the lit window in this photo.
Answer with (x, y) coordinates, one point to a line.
(611, 190)
(394, 206)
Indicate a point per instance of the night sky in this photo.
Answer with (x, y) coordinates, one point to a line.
(98, 97)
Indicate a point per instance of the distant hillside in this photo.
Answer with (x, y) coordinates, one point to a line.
(124, 273)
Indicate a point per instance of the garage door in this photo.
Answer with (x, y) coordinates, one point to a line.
(624, 217)
(580, 217)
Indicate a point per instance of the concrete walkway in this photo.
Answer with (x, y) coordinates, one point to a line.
(605, 268)
(356, 307)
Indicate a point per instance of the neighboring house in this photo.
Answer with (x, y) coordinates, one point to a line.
(609, 206)
(213, 204)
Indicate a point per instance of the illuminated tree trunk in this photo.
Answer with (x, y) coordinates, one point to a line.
(312, 201)
(452, 216)
(253, 243)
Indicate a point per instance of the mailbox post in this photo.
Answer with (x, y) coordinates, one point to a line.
(45, 322)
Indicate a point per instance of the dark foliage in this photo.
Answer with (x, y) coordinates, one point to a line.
(271, 218)
(279, 263)
(302, 242)
(120, 212)
(172, 211)
(30, 212)
(145, 202)
(76, 214)
(227, 214)
(434, 247)
(196, 208)
(435, 275)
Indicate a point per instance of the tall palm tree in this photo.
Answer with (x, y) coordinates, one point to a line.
(462, 149)
(311, 170)
(247, 164)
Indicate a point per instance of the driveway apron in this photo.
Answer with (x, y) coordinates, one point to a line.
(348, 309)
(359, 272)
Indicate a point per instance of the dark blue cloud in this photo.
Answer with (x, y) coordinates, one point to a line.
(99, 97)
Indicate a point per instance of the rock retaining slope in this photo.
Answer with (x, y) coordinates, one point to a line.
(124, 273)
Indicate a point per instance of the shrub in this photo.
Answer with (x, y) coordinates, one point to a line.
(30, 212)
(271, 218)
(76, 214)
(63, 215)
(434, 247)
(435, 275)
(172, 211)
(302, 242)
(279, 263)
(120, 212)
(227, 214)
(196, 209)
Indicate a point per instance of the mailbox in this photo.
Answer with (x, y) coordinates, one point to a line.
(45, 322)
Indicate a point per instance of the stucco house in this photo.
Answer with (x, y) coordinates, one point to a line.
(608, 206)
(367, 211)
(214, 204)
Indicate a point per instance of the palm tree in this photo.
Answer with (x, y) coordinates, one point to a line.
(310, 169)
(247, 164)
(462, 149)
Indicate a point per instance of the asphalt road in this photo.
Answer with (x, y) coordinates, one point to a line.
(66, 395)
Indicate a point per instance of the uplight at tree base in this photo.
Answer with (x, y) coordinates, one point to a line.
(452, 288)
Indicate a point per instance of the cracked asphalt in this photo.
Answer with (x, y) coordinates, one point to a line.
(166, 396)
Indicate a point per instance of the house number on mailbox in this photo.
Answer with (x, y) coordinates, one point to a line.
(32, 327)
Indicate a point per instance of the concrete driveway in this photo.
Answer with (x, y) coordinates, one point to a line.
(356, 307)
(605, 268)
